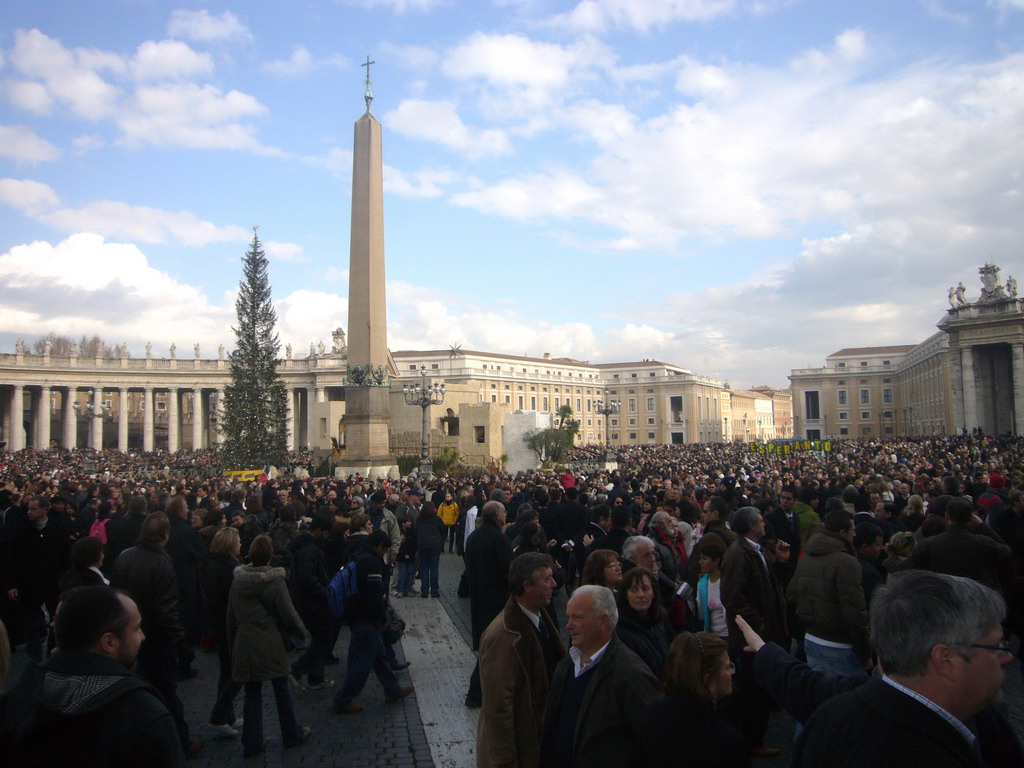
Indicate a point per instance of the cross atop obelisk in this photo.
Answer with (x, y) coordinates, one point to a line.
(368, 94)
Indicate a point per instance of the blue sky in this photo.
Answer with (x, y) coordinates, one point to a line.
(739, 187)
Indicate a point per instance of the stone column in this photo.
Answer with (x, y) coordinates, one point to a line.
(70, 418)
(122, 419)
(96, 430)
(197, 418)
(970, 390)
(147, 419)
(312, 396)
(1017, 349)
(289, 421)
(218, 438)
(43, 424)
(172, 419)
(17, 437)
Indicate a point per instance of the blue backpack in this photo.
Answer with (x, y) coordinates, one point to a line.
(343, 586)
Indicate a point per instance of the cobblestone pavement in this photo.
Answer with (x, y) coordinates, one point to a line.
(430, 728)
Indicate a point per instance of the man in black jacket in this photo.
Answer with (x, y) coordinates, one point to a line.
(124, 532)
(366, 614)
(488, 557)
(37, 556)
(83, 705)
(186, 550)
(146, 573)
(308, 582)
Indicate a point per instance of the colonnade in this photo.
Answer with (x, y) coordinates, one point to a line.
(38, 415)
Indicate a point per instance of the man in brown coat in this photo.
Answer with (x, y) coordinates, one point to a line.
(518, 654)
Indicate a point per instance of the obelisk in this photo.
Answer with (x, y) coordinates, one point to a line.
(367, 412)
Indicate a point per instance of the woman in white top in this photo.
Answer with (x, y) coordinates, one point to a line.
(709, 587)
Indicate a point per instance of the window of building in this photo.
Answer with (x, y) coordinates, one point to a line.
(865, 430)
(842, 397)
(590, 422)
(614, 422)
(650, 403)
(865, 396)
(632, 375)
(885, 362)
(863, 363)
(844, 431)
(650, 421)
(434, 366)
(844, 415)
(161, 406)
(494, 398)
(545, 401)
(631, 405)
(886, 414)
(865, 415)
(841, 365)
(651, 435)
(888, 430)
(812, 408)
(632, 422)
(479, 434)
(632, 435)
(520, 402)
(652, 374)
(579, 405)
(887, 396)
(841, 382)
(615, 376)
(650, 391)
(887, 381)
(589, 403)
(412, 367)
(615, 435)
(533, 402)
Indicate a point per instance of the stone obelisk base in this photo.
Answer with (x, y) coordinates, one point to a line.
(367, 439)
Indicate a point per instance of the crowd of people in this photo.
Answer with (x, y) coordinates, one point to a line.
(707, 584)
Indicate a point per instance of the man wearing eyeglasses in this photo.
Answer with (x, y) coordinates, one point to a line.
(940, 645)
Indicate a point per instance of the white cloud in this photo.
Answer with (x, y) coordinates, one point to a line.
(304, 316)
(22, 145)
(423, 184)
(169, 60)
(439, 121)
(398, 6)
(299, 63)
(558, 195)
(643, 15)
(192, 116)
(418, 58)
(30, 197)
(201, 26)
(284, 251)
(110, 218)
(108, 288)
(70, 76)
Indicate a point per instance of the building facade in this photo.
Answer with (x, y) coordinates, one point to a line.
(968, 376)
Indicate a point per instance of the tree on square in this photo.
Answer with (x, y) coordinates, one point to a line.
(254, 408)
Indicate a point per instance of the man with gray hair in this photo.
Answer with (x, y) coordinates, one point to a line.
(599, 691)
(940, 645)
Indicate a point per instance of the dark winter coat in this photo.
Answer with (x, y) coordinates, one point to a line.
(753, 592)
(217, 577)
(260, 613)
(685, 733)
(827, 593)
(647, 639)
(488, 557)
(146, 573)
(308, 581)
(36, 560)
(610, 726)
(121, 534)
(81, 708)
(430, 536)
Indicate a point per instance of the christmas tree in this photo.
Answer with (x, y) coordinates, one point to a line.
(254, 408)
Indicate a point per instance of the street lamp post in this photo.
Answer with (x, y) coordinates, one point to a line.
(424, 394)
(606, 408)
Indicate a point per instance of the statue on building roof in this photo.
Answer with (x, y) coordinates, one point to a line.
(339, 340)
(991, 290)
(961, 301)
(149, 349)
(123, 350)
(73, 349)
(312, 349)
(174, 351)
(288, 351)
(19, 346)
(47, 347)
(1011, 287)
(220, 352)
(320, 348)
(195, 350)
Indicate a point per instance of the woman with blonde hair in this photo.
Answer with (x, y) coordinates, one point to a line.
(689, 730)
